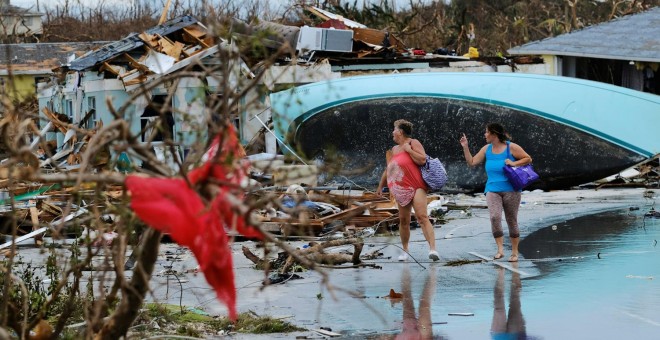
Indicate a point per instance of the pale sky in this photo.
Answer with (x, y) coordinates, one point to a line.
(95, 3)
(32, 4)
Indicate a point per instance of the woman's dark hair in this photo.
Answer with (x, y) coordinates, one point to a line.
(498, 130)
(404, 126)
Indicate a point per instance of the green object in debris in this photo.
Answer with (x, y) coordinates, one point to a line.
(29, 195)
(124, 163)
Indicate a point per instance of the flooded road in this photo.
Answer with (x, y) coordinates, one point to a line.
(600, 280)
(560, 289)
(594, 277)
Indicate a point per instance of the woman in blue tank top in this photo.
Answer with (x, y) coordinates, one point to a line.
(500, 195)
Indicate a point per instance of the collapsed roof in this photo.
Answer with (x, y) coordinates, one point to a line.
(160, 50)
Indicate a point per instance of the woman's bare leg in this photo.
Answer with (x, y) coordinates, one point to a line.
(404, 226)
(499, 241)
(419, 203)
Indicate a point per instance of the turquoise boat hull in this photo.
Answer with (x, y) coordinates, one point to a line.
(576, 131)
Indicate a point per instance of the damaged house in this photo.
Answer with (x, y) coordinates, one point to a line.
(128, 77)
(29, 64)
(624, 52)
(19, 24)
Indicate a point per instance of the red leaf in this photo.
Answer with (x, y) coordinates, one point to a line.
(222, 164)
(167, 205)
(213, 254)
(170, 206)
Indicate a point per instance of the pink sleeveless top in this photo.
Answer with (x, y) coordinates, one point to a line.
(404, 178)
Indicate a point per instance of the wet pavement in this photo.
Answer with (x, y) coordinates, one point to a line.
(590, 269)
(564, 290)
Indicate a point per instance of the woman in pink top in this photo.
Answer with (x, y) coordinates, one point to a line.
(404, 180)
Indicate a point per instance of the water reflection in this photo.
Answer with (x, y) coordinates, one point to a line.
(511, 326)
(417, 325)
(580, 236)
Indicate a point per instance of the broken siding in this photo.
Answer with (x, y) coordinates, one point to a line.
(73, 99)
(190, 102)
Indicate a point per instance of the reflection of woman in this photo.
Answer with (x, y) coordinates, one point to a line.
(404, 180)
(417, 328)
(500, 195)
(513, 326)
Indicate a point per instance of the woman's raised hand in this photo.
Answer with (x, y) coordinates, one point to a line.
(464, 141)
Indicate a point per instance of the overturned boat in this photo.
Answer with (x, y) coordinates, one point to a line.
(576, 131)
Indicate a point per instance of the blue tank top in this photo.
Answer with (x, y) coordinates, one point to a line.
(497, 182)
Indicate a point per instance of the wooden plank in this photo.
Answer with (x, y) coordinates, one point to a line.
(295, 222)
(34, 217)
(317, 13)
(56, 121)
(164, 40)
(136, 64)
(376, 37)
(163, 16)
(129, 73)
(51, 208)
(109, 68)
(135, 81)
(195, 31)
(149, 39)
(83, 121)
(346, 213)
(195, 38)
(503, 265)
(174, 50)
(454, 206)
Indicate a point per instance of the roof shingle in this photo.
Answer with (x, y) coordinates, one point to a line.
(632, 37)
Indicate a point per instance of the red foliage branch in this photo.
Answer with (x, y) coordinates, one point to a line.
(171, 206)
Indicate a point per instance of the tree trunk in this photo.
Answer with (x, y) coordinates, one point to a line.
(133, 295)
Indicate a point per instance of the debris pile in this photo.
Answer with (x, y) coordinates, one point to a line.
(140, 58)
(643, 175)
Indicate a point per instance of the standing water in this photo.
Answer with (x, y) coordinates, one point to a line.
(600, 278)
(593, 277)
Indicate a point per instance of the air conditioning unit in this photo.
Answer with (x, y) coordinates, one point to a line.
(324, 39)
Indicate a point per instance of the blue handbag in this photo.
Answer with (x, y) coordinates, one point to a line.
(433, 173)
(519, 176)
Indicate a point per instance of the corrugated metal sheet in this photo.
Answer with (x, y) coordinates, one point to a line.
(633, 37)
